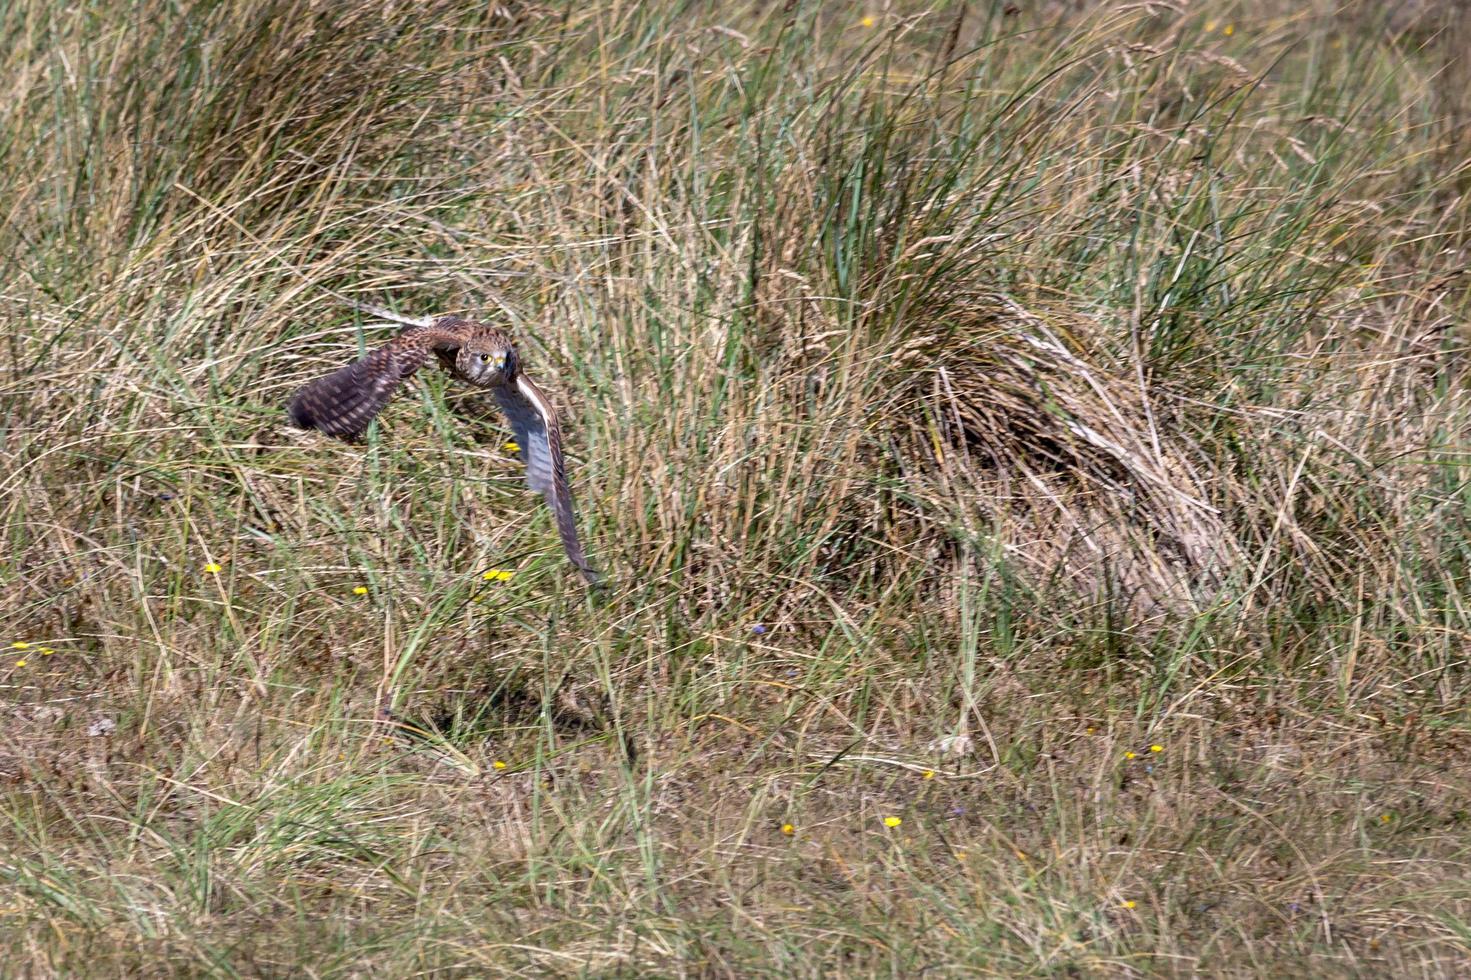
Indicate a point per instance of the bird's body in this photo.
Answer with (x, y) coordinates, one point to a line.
(345, 401)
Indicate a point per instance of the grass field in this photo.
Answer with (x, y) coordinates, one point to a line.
(1027, 444)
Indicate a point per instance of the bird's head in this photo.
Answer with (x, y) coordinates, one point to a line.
(488, 366)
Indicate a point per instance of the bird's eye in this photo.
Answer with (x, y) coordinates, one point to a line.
(484, 358)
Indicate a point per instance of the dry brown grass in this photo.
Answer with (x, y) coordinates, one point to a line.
(963, 403)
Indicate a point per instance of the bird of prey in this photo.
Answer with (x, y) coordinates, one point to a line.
(345, 401)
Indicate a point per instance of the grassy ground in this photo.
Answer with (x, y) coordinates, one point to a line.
(1028, 445)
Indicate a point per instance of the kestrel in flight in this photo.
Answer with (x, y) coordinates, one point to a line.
(345, 401)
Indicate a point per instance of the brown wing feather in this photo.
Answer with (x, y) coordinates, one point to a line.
(345, 401)
(539, 435)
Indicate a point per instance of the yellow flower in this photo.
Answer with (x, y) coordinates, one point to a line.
(1130, 755)
(866, 22)
(1129, 904)
(928, 774)
(47, 651)
(20, 645)
(1228, 30)
(498, 764)
(893, 821)
(788, 829)
(498, 575)
(1156, 748)
(1210, 26)
(212, 568)
(511, 446)
(22, 663)
(360, 590)
(1384, 819)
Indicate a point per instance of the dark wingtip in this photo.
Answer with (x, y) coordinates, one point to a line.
(300, 416)
(599, 588)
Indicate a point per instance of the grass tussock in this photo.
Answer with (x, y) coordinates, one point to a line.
(1027, 442)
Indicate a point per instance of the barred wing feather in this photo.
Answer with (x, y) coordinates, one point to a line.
(344, 402)
(539, 435)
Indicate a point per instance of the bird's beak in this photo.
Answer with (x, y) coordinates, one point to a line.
(500, 361)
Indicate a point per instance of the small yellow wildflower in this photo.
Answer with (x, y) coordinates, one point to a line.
(22, 663)
(1129, 903)
(1383, 819)
(498, 764)
(1228, 30)
(212, 568)
(1210, 26)
(928, 774)
(866, 22)
(47, 651)
(511, 446)
(1156, 748)
(1131, 755)
(893, 821)
(788, 829)
(498, 575)
(360, 590)
(20, 645)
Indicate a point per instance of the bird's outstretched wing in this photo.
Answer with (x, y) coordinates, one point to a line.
(345, 401)
(539, 435)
